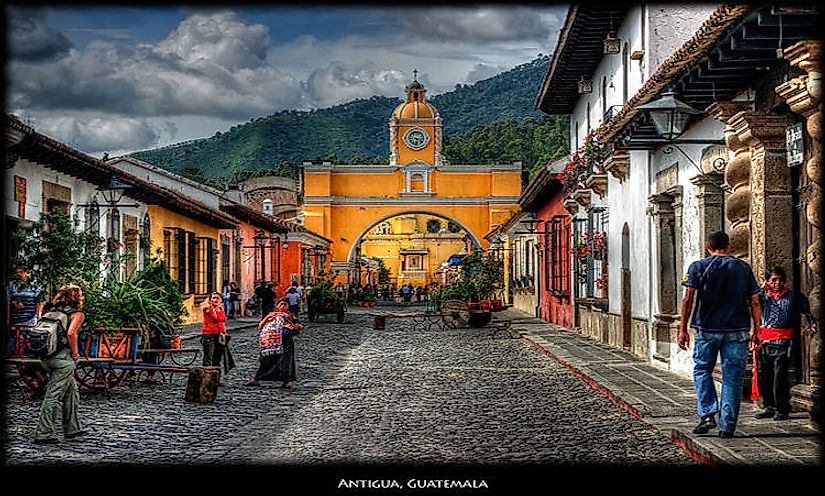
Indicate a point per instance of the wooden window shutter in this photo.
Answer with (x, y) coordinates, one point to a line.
(211, 264)
(193, 268)
(181, 238)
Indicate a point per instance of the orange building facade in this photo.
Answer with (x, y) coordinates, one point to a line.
(345, 202)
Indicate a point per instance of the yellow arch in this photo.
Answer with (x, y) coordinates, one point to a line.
(367, 229)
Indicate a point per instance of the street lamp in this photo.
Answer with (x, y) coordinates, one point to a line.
(670, 117)
(114, 190)
(670, 114)
(530, 222)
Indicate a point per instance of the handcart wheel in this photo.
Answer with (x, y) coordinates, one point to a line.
(456, 313)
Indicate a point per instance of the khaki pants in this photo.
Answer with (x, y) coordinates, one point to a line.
(62, 395)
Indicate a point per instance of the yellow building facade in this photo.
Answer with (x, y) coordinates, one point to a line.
(346, 202)
(413, 247)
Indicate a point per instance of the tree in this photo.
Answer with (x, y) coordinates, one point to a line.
(57, 254)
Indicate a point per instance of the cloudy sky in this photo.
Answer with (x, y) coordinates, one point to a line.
(122, 79)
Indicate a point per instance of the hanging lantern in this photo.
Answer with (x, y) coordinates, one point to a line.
(670, 115)
(612, 44)
(585, 86)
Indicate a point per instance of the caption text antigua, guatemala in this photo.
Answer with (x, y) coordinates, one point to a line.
(413, 484)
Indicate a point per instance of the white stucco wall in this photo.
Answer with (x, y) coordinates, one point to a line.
(669, 26)
(168, 180)
(627, 203)
(82, 192)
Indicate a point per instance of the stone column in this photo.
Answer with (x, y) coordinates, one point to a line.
(737, 175)
(676, 193)
(771, 211)
(804, 96)
(665, 326)
(711, 198)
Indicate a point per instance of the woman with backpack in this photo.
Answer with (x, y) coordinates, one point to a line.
(62, 394)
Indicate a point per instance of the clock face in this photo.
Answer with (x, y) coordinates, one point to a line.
(416, 138)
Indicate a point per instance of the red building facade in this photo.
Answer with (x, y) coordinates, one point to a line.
(544, 198)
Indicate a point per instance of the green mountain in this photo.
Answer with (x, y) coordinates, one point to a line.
(357, 132)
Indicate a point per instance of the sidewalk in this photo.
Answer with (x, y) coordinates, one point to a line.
(668, 402)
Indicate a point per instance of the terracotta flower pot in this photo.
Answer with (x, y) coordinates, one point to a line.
(485, 305)
(175, 342)
(496, 305)
(473, 305)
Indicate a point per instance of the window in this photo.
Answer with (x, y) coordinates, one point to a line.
(170, 255)
(130, 243)
(414, 262)
(237, 258)
(453, 227)
(417, 183)
(175, 251)
(557, 255)
(146, 236)
(225, 266)
(92, 213)
(433, 226)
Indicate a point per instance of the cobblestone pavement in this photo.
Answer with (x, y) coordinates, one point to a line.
(363, 396)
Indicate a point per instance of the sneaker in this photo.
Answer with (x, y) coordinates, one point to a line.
(707, 423)
(725, 434)
(766, 413)
(77, 434)
(46, 441)
(781, 416)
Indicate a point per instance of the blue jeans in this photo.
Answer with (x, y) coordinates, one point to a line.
(733, 347)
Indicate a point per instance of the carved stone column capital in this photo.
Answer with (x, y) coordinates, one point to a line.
(796, 93)
(806, 54)
(723, 112)
(761, 129)
(662, 204)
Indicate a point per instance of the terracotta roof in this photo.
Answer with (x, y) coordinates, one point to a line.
(544, 185)
(675, 66)
(23, 140)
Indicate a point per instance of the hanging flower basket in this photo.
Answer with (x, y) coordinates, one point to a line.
(598, 183)
(583, 196)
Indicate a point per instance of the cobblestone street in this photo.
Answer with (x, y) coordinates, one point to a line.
(362, 396)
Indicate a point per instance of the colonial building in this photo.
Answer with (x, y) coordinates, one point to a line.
(749, 75)
(345, 203)
(256, 248)
(547, 217)
(514, 244)
(604, 56)
(135, 216)
(701, 135)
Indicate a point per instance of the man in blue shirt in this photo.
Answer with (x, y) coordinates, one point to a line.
(781, 312)
(727, 302)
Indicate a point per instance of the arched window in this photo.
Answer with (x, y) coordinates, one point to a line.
(453, 227)
(433, 226)
(267, 206)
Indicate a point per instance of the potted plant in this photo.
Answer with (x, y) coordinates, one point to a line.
(322, 299)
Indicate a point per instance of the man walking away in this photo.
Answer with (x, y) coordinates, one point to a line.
(781, 312)
(727, 301)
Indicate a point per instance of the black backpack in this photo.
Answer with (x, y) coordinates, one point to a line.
(49, 335)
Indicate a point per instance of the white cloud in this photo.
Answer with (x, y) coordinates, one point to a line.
(215, 70)
(483, 71)
(98, 134)
(338, 83)
(221, 38)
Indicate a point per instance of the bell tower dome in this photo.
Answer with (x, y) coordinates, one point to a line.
(415, 128)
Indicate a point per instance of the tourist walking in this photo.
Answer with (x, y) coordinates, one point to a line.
(213, 337)
(782, 309)
(266, 297)
(294, 300)
(226, 296)
(234, 300)
(62, 397)
(727, 301)
(277, 348)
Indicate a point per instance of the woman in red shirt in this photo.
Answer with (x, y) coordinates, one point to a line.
(214, 331)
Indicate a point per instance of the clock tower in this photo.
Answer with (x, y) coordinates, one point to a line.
(415, 129)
